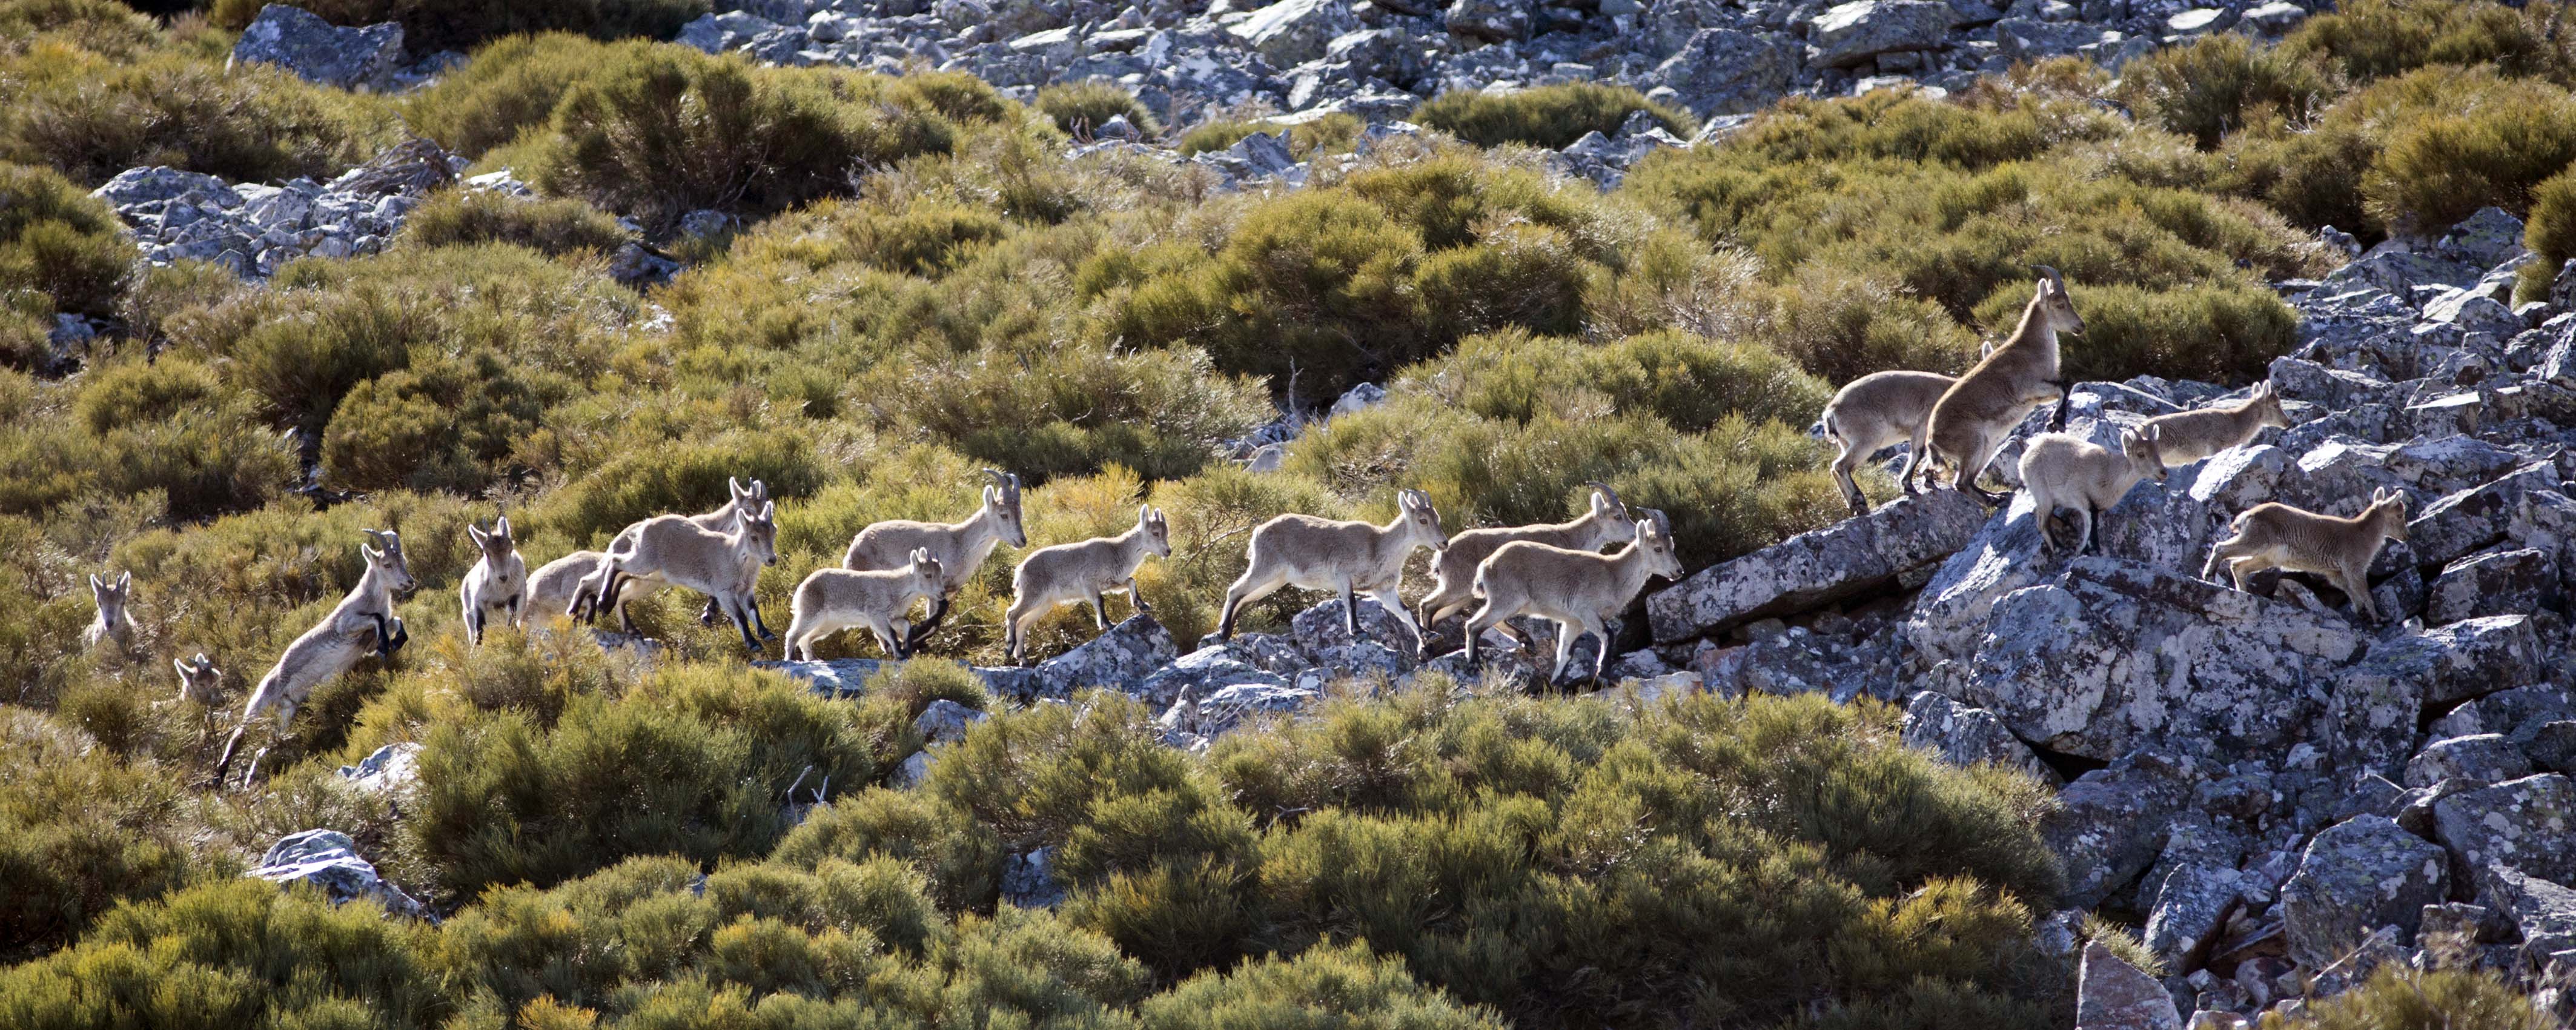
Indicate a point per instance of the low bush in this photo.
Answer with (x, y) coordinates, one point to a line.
(446, 25)
(80, 830)
(90, 117)
(506, 88)
(2215, 84)
(551, 226)
(446, 425)
(2550, 233)
(1078, 107)
(58, 241)
(98, 26)
(2395, 998)
(1551, 117)
(2374, 39)
(1332, 133)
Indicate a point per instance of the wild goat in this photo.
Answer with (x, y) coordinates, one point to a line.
(2192, 435)
(564, 585)
(1069, 573)
(2064, 470)
(1353, 559)
(1455, 569)
(199, 680)
(961, 547)
(363, 621)
(1876, 411)
(1973, 417)
(1577, 590)
(724, 519)
(832, 600)
(113, 625)
(2276, 536)
(497, 582)
(674, 549)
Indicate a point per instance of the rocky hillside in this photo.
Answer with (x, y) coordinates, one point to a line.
(275, 279)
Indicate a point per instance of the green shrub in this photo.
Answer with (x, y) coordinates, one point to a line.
(2396, 998)
(1518, 276)
(58, 241)
(2436, 171)
(429, 26)
(508, 87)
(1320, 986)
(2209, 87)
(2550, 233)
(2373, 39)
(1332, 133)
(99, 26)
(80, 830)
(660, 132)
(2224, 333)
(956, 94)
(549, 226)
(1693, 384)
(89, 118)
(1552, 117)
(449, 425)
(1083, 106)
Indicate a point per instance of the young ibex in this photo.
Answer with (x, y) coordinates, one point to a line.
(832, 600)
(1353, 559)
(2062, 469)
(112, 626)
(2192, 435)
(1453, 587)
(564, 586)
(1577, 590)
(2276, 536)
(675, 550)
(363, 621)
(961, 547)
(1879, 410)
(1972, 419)
(199, 680)
(497, 582)
(724, 519)
(1070, 573)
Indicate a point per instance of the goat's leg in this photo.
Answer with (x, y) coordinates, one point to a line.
(2065, 395)
(938, 612)
(1351, 609)
(1565, 634)
(709, 615)
(2091, 544)
(1099, 612)
(1394, 605)
(1601, 637)
(1136, 598)
(737, 610)
(384, 637)
(753, 602)
(1843, 465)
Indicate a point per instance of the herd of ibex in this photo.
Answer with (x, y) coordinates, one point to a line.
(1553, 571)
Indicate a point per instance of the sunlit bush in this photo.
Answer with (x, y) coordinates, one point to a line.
(1545, 116)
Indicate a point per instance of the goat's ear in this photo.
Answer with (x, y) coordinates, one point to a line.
(476, 534)
(733, 488)
(1144, 514)
(124, 579)
(501, 526)
(374, 557)
(181, 664)
(768, 511)
(95, 585)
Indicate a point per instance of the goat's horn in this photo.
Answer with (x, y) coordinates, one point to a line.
(2053, 275)
(1613, 495)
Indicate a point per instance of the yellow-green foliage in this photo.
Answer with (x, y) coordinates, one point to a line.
(2218, 83)
(2371, 39)
(554, 226)
(2396, 998)
(508, 87)
(445, 24)
(80, 829)
(90, 116)
(99, 26)
(659, 132)
(1083, 106)
(2550, 233)
(57, 241)
(1552, 117)
(1329, 134)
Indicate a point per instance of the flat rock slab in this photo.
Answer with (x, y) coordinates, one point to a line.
(1851, 558)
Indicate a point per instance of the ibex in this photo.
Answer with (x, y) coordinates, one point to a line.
(497, 582)
(199, 680)
(2276, 536)
(2064, 470)
(2192, 435)
(1353, 559)
(674, 549)
(1577, 590)
(1076, 572)
(724, 519)
(112, 626)
(565, 586)
(1453, 587)
(1972, 419)
(961, 547)
(832, 600)
(363, 621)
(1876, 411)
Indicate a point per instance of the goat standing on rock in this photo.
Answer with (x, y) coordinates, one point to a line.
(960, 547)
(1972, 419)
(1454, 585)
(1353, 559)
(2192, 435)
(363, 621)
(1878, 410)
(832, 600)
(1577, 590)
(2062, 469)
(1084, 571)
(2277, 536)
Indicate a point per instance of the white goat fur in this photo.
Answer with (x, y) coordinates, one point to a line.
(2062, 470)
(1353, 559)
(832, 600)
(2192, 435)
(1084, 571)
(1453, 586)
(362, 622)
(1877, 411)
(113, 626)
(1973, 418)
(498, 582)
(724, 566)
(1577, 590)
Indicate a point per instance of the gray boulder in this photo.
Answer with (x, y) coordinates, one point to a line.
(2192, 889)
(318, 51)
(2475, 519)
(1487, 21)
(1202, 674)
(2516, 582)
(2357, 876)
(1965, 736)
(2517, 712)
(1850, 34)
(717, 33)
(2482, 758)
(1028, 880)
(2542, 909)
(2525, 824)
(1724, 71)
(1294, 32)
(328, 859)
(1120, 660)
(2111, 994)
(1851, 558)
(391, 769)
(2553, 746)
(943, 721)
(2111, 823)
